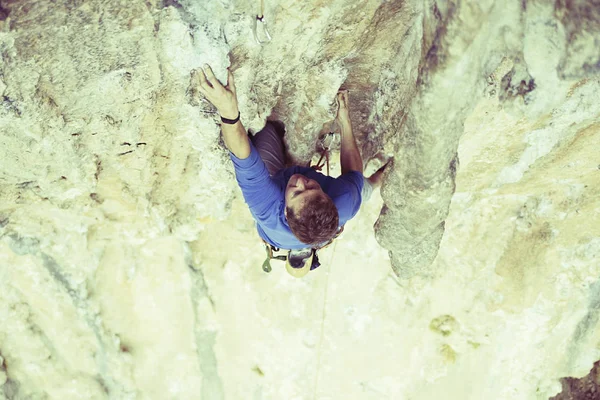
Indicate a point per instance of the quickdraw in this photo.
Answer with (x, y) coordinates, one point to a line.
(325, 143)
(260, 19)
(270, 249)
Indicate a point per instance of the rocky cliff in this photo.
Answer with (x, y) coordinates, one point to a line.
(130, 265)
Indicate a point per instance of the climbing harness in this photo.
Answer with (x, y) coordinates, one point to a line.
(297, 258)
(261, 35)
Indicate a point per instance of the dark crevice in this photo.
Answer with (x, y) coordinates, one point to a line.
(4, 12)
(10, 389)
(517, 83)
(586, 388)
(171, 3)
(435, 55)
(581, 21)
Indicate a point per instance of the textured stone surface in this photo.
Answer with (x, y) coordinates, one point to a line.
(130, 266)
(586, 388)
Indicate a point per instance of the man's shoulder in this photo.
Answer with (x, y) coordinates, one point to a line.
(348, 181)
(355, 177)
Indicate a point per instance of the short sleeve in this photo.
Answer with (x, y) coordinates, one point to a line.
(260, 192)
(347, 192)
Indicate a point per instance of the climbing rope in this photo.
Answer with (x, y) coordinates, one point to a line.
(260, 20)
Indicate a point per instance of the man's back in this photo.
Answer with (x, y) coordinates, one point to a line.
(264, 195)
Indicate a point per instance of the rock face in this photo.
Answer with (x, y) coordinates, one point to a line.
(587, 387)
(130, 266)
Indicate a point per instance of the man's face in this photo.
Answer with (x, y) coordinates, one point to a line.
(300, 190)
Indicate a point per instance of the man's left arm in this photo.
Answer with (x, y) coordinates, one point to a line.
(259, 191)
(350, 158)
(224, 98)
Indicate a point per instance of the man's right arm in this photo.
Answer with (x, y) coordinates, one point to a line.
(350, 158)
(349, 155)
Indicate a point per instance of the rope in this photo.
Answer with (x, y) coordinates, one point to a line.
(323, 324)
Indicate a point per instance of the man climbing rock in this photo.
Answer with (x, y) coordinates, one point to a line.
(295, 207)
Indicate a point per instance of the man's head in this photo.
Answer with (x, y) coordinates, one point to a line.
(310, 212)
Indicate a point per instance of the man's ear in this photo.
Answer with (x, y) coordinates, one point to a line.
(285, 212)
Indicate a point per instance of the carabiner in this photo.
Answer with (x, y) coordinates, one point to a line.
(265, 32)
(327, 140)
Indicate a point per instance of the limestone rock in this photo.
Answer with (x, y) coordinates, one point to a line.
(130, 266)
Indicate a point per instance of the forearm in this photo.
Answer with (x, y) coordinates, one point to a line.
(350, 158)
(376, 178)
(236, 139)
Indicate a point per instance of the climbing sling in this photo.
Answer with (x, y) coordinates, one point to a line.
(298, 258)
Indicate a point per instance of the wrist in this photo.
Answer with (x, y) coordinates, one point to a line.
(231, 121)
(229, 114)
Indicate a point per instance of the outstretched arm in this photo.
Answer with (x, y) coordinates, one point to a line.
(349, 155)
(224, 98)
(259, 190)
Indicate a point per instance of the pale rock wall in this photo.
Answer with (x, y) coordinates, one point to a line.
(130, 267)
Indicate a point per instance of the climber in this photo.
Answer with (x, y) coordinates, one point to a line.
(295, 207)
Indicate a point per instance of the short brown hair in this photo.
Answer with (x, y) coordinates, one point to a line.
(317, 221)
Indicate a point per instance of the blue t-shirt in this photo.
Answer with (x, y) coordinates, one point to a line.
(264, 195)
